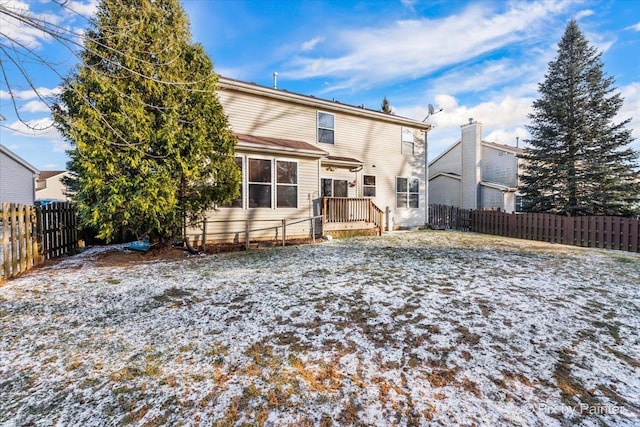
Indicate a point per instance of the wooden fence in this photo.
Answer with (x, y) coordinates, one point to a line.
(29, 235)
(57, 229)
(589, 231)
(449, 217)
(607, 232)
(19, 251)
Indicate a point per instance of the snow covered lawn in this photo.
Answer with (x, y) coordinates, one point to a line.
(417, 328)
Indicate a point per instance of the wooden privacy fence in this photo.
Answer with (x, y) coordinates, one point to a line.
(589, 231)
(57, 229)
(19, 250)
(30, 234)
(449, 217)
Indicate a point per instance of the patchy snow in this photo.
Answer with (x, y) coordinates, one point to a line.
(420, 328)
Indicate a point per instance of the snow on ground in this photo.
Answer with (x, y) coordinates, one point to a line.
(419, 328)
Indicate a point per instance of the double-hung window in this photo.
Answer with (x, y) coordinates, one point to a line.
(408, 141)
(407, 192)
(326, 127)
(369, 185)
(259, 183)
(287, 184)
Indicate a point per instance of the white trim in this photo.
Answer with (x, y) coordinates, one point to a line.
(408, 178)
(296, 185)
(500, 187)
(447, 175)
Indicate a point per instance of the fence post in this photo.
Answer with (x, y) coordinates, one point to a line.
(5, 239)
(246, 235)
(284, 232)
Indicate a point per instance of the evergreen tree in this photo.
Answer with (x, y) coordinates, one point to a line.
(150, 142)
(385, 107)
(578, 161)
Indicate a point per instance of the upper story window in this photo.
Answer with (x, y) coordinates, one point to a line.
(408, 141)
(407, 192)
(369, 186)
(287, 184)
(259, 183)
(326, 127)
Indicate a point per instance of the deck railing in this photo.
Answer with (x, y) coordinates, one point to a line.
(351, 209)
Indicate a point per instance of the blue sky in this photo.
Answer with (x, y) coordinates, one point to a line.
(475, 59)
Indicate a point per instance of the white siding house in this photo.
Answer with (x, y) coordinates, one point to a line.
(475, 174)
(17, 178)
(294, 149)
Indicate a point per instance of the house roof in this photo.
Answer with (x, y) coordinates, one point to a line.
(451, 147)
(446, 174)
(267, 144)
(18, 159)
(225, 83)
(341, 161)
(503, 147)
(49, 174)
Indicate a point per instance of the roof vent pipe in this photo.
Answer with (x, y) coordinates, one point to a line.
(275, 80)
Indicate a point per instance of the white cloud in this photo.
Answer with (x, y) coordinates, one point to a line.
(35, 107)
(635, 27)
(631, 109)
(311, 44)
(58, 19)
(39, 128)
(583, 14)
(413, 48)
(502, 119)
(83, 8)
(25, 95)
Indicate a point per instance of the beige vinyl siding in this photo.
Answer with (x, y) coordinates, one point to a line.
(228, 223)
(262, 116)
(378, 145)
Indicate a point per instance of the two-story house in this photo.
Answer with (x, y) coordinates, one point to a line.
(475, 174)
(294, 150)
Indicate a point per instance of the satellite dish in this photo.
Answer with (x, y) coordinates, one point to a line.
(432, 111)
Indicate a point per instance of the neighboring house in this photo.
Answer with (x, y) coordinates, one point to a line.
(50, 186)
(17, 178)
(476, 174)
(294, 150)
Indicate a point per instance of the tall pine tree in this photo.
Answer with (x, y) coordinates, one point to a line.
(385, 107)
(578, 161)
(150, 142)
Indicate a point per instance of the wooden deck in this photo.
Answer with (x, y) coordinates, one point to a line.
(349, 213)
